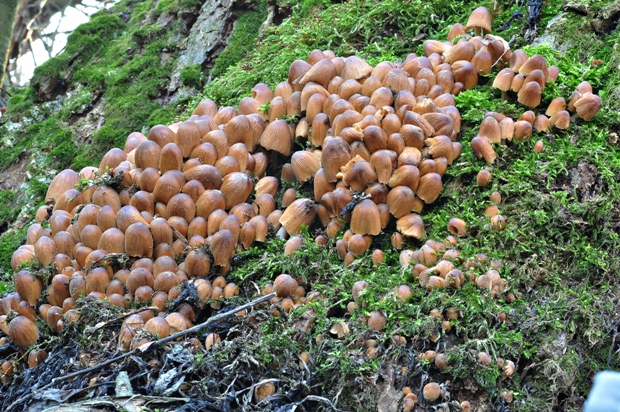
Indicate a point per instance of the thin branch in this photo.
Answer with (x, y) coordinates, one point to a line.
(611, 348)
(314, 398)
(504, 53)
(32, 51)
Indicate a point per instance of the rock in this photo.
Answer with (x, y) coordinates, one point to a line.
(207, 38)
(603, 18)
(550, 36)
(567, 30)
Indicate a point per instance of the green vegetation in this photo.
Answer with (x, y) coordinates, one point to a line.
(191, 76)
(9, 242)
(9, 208)
(242, 40)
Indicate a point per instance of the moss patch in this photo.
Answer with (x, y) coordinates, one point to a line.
(242, 40)
(9, 242)
(191, 76)
(9, 209)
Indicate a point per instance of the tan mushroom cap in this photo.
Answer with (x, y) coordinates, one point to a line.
(503, 79)
(480, 19)
(365, 218)
(277, 136)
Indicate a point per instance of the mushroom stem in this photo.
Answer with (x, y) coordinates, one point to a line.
(504, 95)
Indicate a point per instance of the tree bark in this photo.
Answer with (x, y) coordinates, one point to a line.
(8, 11)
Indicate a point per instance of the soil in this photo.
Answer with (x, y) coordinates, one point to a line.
(14, 175)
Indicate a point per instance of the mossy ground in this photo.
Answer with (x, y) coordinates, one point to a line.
(559, 249)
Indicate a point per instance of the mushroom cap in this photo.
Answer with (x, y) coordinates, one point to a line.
(490, 130)
(529, 95)
(355, 68)
(301, 211)
(365, 219)
(284, 285)
(306, 164)
(277, 136)
(65, 180)
(556, 105)
(401, 200)
(479, 18)
(321, 72)
(560, 120)
(411, 225)
(223, 247)
(588, 105)
(23, 331)
(430, 187)
(483, 149)
(460, 51)
(536, 62)
(432, 391)
(504, 79)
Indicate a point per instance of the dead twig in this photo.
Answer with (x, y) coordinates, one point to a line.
(145, 348)
(179, 235)
(121, 258)
(316, 399)
(116, 401)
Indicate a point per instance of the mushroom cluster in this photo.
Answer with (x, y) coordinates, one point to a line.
(173, 207)
(498, 128)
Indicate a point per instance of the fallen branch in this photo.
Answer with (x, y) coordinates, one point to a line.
(116, 402)
(145, 348)
(315, 399)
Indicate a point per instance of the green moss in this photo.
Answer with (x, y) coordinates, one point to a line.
(304, 6)
(77, 103)
(10, 207)
(191, 76)
(480, 100)
(50, 137)
(9, 242)
(173, 7)
(83, 45)
(242, 40)
(164, 5)
(53, 68)
(47, 136)
(21, 100)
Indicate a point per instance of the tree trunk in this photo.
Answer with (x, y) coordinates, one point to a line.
(8, 11)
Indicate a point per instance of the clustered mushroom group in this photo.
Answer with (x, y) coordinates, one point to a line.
(378, 142)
